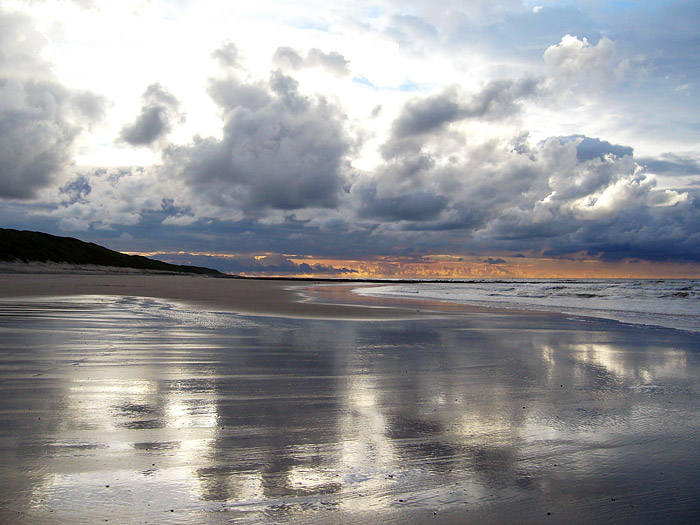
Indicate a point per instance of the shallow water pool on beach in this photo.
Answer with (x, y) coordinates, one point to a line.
(141, 411)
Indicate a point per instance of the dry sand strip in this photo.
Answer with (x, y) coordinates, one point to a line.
(246, 296)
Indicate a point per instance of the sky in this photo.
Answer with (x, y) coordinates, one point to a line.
(359, 139)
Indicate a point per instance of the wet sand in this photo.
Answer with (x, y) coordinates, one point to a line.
(252, 296)
(130, 408)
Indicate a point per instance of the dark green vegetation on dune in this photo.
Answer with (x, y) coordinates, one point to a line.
(28, 246)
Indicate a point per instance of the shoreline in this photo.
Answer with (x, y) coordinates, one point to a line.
(329, 299)
(283, 298)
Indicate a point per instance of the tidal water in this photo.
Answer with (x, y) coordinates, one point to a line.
(671, 303)
(125, 410)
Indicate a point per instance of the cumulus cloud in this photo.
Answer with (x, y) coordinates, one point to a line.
(578, 62)
(498, 99)
(588, 148)
(333, 62)
(496, 197)
(159, 111)
(606, 206)
(40, 119)
(510, 195)
(280, 150)
(107, 198)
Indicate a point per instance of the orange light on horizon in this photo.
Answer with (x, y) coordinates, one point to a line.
(454, 266)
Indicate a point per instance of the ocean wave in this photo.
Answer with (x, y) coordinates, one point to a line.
(667, 303)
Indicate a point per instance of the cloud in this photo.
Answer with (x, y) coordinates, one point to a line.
(272, 264)
(447, 168)
(420, 205)
(541, 198)
(575, 62)
(514, 196)
(76, 190)
(40, 119)
(106, 199)
(333, 62)
(606, 206)
(159, 111)
(491, 260)
(282, 151)
(227, 55)
(588, 148)
(83, 4)
(672, 164)
(428, 114)
(498, 99)
(230, 93)
(412, 32)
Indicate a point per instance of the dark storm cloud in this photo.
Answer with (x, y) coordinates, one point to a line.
(650, 233)
(39, 118)
(420, 205)
(281, 151)
(605, 207)
(498, 99)
(159, 111)
(565, 194)
(491, 260)
(333, 62)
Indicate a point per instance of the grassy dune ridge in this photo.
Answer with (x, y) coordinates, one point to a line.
(29, 246)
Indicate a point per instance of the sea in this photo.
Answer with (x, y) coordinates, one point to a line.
(669, 303)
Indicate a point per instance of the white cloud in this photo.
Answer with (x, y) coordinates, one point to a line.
(179, 220)
(575, 62)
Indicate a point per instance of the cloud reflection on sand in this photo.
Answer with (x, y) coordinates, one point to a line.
(216, 416)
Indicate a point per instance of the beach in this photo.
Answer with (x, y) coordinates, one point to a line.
(190, 399)
(247, 296)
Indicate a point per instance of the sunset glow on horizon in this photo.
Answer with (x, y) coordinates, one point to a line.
(438, 267)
